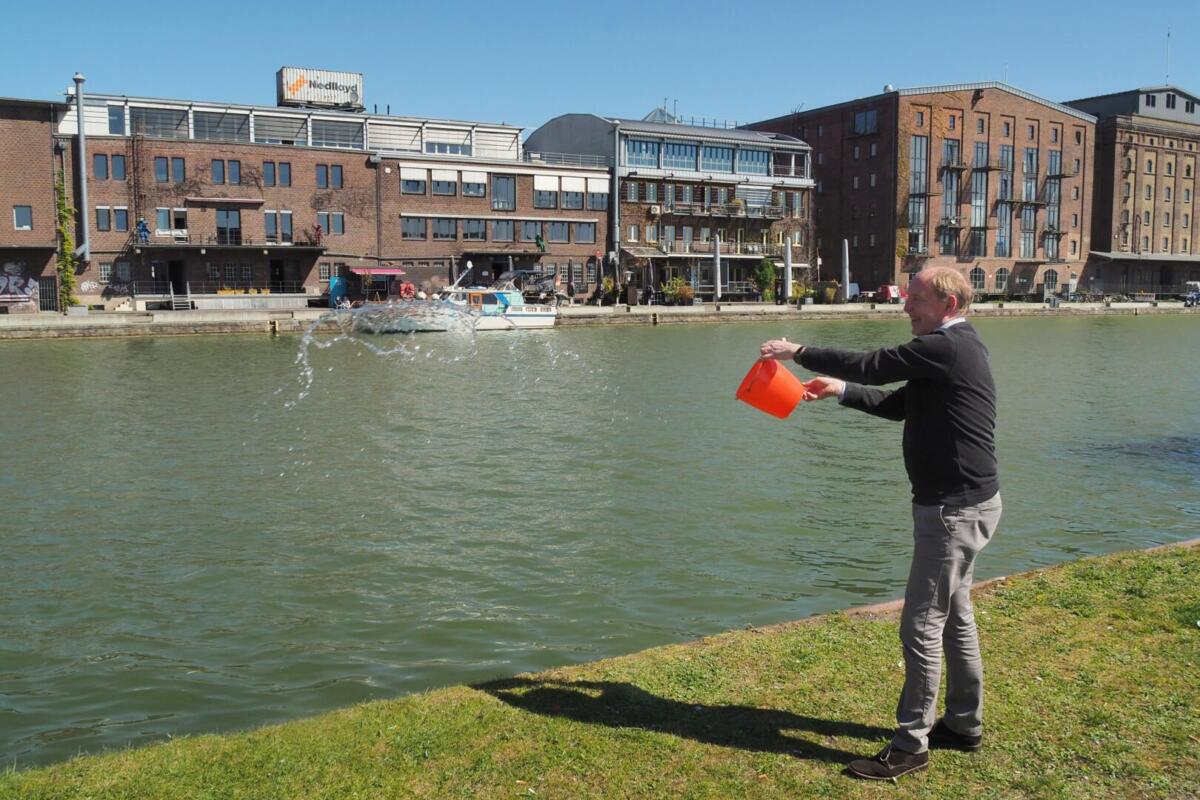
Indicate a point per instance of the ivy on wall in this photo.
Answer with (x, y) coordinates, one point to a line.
(66, 246)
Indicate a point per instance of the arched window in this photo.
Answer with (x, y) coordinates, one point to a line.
(978, 279)
(1050, 279)
(1002, 280)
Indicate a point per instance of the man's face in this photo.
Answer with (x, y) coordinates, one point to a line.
(925, 309)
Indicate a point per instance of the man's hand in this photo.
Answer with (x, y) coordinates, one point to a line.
(779, 349)
(820, 388)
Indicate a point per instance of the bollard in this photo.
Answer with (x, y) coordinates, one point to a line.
(654, 318)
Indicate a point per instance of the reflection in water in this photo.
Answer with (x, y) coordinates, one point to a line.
(447, 508)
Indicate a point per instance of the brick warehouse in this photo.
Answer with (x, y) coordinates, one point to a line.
(983, 177)
(28, 237)
(1146, 149)
(683, 188)
(268, 202)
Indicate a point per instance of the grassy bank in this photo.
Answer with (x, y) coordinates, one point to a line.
(1093, 676)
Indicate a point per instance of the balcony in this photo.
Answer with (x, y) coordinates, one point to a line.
(1062, 172)
(566, 159)
(954, 164)
(234, 238)
(950, 222)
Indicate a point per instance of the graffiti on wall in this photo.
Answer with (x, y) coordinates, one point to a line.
(16, 286)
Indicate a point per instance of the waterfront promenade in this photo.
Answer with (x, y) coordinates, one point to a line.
(1094, 678)
(169, 323)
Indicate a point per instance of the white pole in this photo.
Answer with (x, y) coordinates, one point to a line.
(787, 269)
(717, 266)
(845, 270)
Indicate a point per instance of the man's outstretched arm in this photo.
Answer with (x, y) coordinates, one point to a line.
(889, 405)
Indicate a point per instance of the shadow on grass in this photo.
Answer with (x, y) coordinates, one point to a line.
(622, 705)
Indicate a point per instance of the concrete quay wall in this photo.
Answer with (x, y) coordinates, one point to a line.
(279, 321)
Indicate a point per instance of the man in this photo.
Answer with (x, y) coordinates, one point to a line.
(948, 406)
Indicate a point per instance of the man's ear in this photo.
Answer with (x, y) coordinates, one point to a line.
(952, 304)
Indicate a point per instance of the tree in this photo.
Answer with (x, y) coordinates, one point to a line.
(764, 278)
(66, 263)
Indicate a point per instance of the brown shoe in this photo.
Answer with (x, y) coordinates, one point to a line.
(888, 764)
(943, 738)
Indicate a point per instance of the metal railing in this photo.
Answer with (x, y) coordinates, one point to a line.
(730, 248)
(227, 239)
(566, 159)
(235, 287)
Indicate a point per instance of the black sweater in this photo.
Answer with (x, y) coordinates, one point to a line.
(948, 407)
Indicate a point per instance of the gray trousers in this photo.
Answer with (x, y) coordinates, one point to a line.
(938, 615)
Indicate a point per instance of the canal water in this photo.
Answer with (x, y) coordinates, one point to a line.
(190, 546)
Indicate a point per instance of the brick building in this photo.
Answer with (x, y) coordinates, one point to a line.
(1146, 149)
(983, 177)
(682, 188)
(28, 233)
(269, 202)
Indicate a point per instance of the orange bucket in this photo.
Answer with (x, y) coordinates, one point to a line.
(771, 388)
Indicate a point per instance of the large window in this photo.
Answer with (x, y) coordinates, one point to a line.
(100, 167)
(502, 230)
(116, 120)
(585, 232)
(557, 231)
(229, 226)
(178, 170)
(442, 187)
(278, 226)
(866, 122)
(474, 230)
(530, 231)
(332, 222)
(329, 176)
(1050, 279)
(118, 168)
(572, 200)
(1002, 280)
(103, 222)
(679, 156)
(218, 171)
(717, 159)
(753, 162)
(445, 229)
(597, 201)
(545, 199)
(640, 153)
(978, 279)
(412, 227)
(504, 192)
(1028, 229)
(472, 187)
(220, 126)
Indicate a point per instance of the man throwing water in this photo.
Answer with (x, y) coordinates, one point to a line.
(948, 405)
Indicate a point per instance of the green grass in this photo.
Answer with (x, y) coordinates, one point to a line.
(1093, 680)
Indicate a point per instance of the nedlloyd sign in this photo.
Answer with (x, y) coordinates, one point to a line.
(298, 86)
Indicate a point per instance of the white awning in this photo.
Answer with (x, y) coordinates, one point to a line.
(545, 183)
(597, 185)
(474, 177)
(574, 184)
(449, 175)
(412, 174)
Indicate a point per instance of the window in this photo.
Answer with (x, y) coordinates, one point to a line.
(631, 191)
(412, 185)
(951, 122)
(1078, 137)
(1030, 132)
(1054, 135)
(1170, 100)
(585, 232)
(322, 176)
(446, 188)
(449, 148)
(229, 226)
(329, 176)
(23, 218)
(502, 230)
(545, 199)
(1187, 169)
(116, 121)
(1149, 192)
(679, 156)
(1186, 220)
(1166, 219)
(920, 118)
(1050, 279)
(1149, 166)
(118, 168)
(474, 230)
(445, 229)
(277, 225)
(100, 167)
(854, 182)
(978, 279)
(121, 218)
(754, 162)
(1007, 129)
(504, 192)
(169, 221)
(473, 188)
(332, 222)
(122, 270)
(866, 121)
(160, 169)
(1166, 193)
(268, 173)
(1074, 192)
(651, 233)
(530, 231)
(979, 126)
(285, 173)
(178, 171)
(717, 159)
(639, 153)
(1074, 220)
(1166, 245)
(103, 222)
(218, 171)
(412, 228)
(1146, 218)
(651, 192)
(1002, 279)
(1187, 195)
(105, 271)
(557, 231)
(631, 235)
(572, 200)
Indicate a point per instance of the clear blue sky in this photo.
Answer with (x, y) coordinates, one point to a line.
(525, 62)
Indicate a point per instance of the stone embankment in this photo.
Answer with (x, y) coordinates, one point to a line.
(167, 323)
